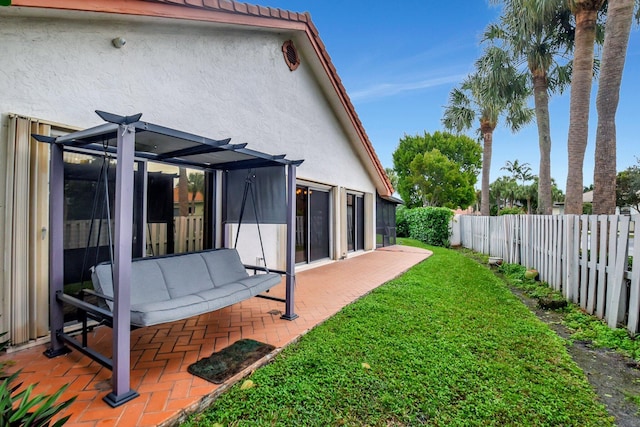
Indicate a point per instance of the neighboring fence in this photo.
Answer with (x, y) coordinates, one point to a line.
(188, 234)
(593, 260)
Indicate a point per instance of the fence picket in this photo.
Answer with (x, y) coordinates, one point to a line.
(593, 254)
(602, 266)
(584, 251)
(634, 286)
(611, 262)
(618, 296)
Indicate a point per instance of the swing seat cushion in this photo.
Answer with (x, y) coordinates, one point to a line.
(174, 287)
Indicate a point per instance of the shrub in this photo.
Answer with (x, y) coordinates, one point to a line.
(402, 227)
(511, 211)
(430, 225)
(513, 271)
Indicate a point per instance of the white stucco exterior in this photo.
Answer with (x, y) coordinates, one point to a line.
(206, 78)
(201, 78)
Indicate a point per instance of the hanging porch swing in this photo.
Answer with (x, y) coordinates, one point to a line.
(153, 290)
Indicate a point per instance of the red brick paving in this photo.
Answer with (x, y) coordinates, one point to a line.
(161, 354)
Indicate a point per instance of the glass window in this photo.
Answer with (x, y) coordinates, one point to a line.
(175, 209)
(301, 224)
(89, 207)
(360, 222)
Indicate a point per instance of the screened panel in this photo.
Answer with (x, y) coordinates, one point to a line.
(385, 222)
(319, 224)
(267, 186)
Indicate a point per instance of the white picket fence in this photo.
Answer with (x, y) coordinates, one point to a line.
(188, 234)
(586, 257)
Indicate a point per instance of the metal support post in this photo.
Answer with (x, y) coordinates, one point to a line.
(123, 216)
(289, 313)
(56, 251)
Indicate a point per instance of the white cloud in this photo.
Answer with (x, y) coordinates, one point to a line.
(385, 90)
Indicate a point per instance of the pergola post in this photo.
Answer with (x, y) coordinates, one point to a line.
(123, 218)
(289, 313)
(56, 250)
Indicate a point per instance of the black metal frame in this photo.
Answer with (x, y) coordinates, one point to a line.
(118, 136)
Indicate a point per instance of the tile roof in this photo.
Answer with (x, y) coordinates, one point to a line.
(233, 12)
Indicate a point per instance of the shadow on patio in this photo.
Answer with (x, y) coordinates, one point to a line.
(161, 354)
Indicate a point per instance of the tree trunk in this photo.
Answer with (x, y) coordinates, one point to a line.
(616, 39)
(183, 193)
(541, 100)
(586, 12)
(487, 135)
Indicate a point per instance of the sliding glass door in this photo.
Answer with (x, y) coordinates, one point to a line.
(312, 224)
(355, 222)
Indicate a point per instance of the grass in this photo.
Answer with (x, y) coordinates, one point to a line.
(583, 326)
(444, 344)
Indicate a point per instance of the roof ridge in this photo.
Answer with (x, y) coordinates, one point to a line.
(231, 6)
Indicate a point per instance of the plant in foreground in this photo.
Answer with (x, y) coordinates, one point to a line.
(20, 408)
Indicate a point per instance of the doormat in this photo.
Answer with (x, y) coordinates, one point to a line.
(224, 364)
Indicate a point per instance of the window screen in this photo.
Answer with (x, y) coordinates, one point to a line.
(268, 186)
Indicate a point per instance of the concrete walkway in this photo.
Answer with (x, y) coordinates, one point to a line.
(161, 354)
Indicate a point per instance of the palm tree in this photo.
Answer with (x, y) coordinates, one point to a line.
(493, 90)
(195, 186)
(504, 189)
(183, 192)
(616, 39)
(586, 16)
(539, 38)
(393, 177)
(519, 171)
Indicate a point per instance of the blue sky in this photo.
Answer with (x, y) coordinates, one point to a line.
(400, 60)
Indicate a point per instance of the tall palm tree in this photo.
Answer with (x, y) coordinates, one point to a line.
(616, 39)
(541, 38)
(586, 16)
(493, 90)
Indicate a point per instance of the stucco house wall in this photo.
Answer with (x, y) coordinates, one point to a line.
(211, 81)
(214, 79)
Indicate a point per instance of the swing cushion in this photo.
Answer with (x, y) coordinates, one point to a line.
(174, 287)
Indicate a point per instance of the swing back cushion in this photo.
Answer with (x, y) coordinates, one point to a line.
(174, 287)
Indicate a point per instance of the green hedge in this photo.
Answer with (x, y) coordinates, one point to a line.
(429, 225)
(511, 211)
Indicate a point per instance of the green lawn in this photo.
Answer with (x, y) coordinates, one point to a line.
(445, 344)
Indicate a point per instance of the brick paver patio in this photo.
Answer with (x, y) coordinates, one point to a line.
(161, 354)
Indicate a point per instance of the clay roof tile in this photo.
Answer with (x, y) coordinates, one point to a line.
(241, 7)
(253, 9)
(194, 3)
(212, 4)
(227, 5)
